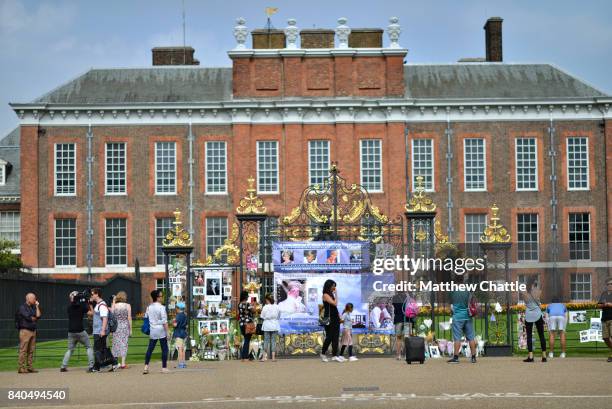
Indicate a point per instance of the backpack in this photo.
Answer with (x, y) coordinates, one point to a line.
(112, 322)
(472, 307)
(412, 309)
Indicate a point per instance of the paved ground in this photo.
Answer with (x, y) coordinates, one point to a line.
(309, 383)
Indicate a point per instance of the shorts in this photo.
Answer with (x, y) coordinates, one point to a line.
(556, 323)
(461, 327)
(606, 329)
(179, 342)
(403, 328)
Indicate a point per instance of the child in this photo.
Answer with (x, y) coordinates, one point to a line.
(180, 333)
(347, 332)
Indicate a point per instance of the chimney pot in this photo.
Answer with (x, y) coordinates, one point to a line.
(174, 56)
(264, 38)
(493, 39)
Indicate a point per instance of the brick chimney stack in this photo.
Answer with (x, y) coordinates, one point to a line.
(174, 56)
(493, 38)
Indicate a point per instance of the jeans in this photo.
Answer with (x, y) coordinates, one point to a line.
(75, 338)
(163, 342)
(27, 346)
(102, 354)
(244, 353)
(540, 327)
(332, 333)
(270, 342)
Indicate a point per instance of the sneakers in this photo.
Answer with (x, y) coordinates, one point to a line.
(63, 369)
(165, 370)
(324, 358)
(92, 370)
(550, 355)
(528, 359)
(338, 359)
(453, 360)
(473, 360)
(543, 359)
(610, 359)
(353, 359)
(562, 355)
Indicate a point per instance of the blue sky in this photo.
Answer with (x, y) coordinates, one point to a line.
(46, 43)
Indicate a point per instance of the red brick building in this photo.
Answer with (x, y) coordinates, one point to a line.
(529, 137)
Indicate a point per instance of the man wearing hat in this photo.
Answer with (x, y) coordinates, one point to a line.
(76, 332)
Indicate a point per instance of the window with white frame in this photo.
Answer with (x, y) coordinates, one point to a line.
(474, 227)
(371, 164)
(267, 166)
(115, 168)
(116, 242)
(474, 164)
(65, 242)
(422, 163)
(216, 167)
(216, 233)
(578, 163)
(160, 284)
(10, 226)
(165, 167)
(65, 169)
(318, 162)
(526, 161)
(580, 287)
(527, 236)
(162, 225)
(579, 236)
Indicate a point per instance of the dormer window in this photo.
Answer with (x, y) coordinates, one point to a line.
(3, 166)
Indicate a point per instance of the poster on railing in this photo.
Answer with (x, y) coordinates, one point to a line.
(320, 256)
(299, 294)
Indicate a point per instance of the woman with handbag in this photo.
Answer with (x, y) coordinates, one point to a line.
(270, 327)
(330, 319)
(533, 315)
(247, 324)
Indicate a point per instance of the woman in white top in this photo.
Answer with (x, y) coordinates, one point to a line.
(158, 323)
(270, 314)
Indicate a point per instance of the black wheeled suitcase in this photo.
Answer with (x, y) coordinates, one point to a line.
(415, 349)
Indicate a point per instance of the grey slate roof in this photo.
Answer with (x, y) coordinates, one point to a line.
(439, 81)
(9, 151)
(493, 80)
(133, 85)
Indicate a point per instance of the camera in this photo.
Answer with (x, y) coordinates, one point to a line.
(82, 297)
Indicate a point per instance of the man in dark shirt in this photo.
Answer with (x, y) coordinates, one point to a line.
(76, 333)
(26, 319)
(605, 303)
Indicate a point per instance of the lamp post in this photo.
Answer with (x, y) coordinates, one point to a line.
(495, 243)
(178, 243)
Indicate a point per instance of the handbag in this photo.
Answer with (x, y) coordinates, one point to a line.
(259, 328)
(472, 307)
(324, 319)
(146, 326)
(250, 328)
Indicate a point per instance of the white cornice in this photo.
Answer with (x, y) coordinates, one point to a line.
(317, 52)
(313, 111)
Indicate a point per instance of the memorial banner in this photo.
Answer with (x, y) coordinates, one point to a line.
(320, 256)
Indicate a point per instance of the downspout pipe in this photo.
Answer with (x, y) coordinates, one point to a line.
(449, 176)
(554, 227)
(90, 231)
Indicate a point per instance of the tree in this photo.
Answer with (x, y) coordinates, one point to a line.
(8, 260)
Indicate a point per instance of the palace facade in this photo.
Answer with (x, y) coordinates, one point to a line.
(106, 157)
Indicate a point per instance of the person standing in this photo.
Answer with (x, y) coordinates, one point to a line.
(102, 354)
(180, 333)
(26, 320)
(245, 313)
(158, 322)
(533, 315)
(123, 311)
(557, 320)
(270, 314)
(77, 309)
(462, 322)
(347, 332)
(332, 329)
(605, 303)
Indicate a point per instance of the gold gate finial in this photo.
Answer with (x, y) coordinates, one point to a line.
(419, 202)
(177, 236)
(495, 232)
(251, 203)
